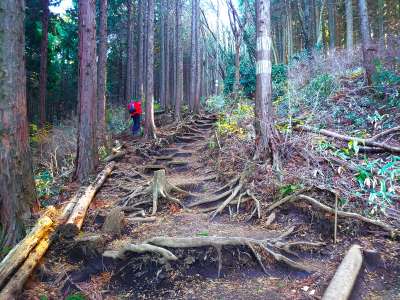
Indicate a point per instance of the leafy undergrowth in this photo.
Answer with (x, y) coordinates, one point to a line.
(328, 92)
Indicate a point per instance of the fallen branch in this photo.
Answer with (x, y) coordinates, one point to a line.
(366, 142)
(342, 283)
(340, 213)
(115, 156)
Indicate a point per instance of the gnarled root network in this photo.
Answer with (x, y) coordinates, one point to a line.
(272, 247)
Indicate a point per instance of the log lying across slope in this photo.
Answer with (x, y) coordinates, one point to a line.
(17, 266)
(371, 142)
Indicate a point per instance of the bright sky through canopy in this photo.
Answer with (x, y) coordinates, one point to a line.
(60, 9)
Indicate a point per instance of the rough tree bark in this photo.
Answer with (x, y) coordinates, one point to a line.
(43, 62)
(167, 58)
(268, 136)
(140, 74)
(179, 60)
(162, 54)
(193, 56)
(87, 95)
(129, 64)
(150, 128)
(196, 103)
(17, 189)
(349, 25)
(367, 47)
(102, 74)
(332, 23)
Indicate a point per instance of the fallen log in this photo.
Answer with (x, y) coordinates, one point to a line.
(342, 283)
(22, 260)
(115, 156)
(17, 281)
(371, 142)
(20, 252)
(78, 214)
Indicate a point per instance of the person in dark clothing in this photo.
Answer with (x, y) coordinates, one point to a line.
(135, 110)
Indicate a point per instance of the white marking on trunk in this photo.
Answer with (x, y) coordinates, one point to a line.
(263, 67)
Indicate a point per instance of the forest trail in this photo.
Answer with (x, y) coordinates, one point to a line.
(82, 265)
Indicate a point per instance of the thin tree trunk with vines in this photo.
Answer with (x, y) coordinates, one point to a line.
(43, 62)
(102, 75)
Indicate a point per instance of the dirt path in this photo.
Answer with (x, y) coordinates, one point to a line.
(195, 274)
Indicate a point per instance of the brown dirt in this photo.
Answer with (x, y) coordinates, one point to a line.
(194, 275)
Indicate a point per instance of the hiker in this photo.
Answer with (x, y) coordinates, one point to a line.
(135, 109)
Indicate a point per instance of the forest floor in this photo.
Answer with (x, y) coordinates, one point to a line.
(80, 267)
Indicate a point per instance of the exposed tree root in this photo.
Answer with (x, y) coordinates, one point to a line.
(269, 246)
(299, 196)
(233, 196)
(159, 187)
(142, 248)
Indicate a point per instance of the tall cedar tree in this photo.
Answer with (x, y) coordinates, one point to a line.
(349, 25)
(196, 104)
(179, 59)
(140, 75)
(193, 56)
(150, 128)
(268, 136)
(129, 64)
(332, 23)
(367, 48)
(102, 74)
(87, 91)
(162, 54)
(43, 62)
(17, 189)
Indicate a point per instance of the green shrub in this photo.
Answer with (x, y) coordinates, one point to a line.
(320, 88)
(387, 83)
(116, 119)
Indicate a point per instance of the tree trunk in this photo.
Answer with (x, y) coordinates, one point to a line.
(43, 62)
(193, 57)
(87, 95)
(381, 24)
(167, 59)
(150, 128)
(129, 64)
(289, 23)
(196, 104)
(349, 25)
(268, 139)
(179, 61)
(141, 69)
(17, 189)
(162, 55)
(102, 75)
(367, 47)
(332, 23)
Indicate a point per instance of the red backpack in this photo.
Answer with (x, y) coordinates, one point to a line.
(135, 108)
